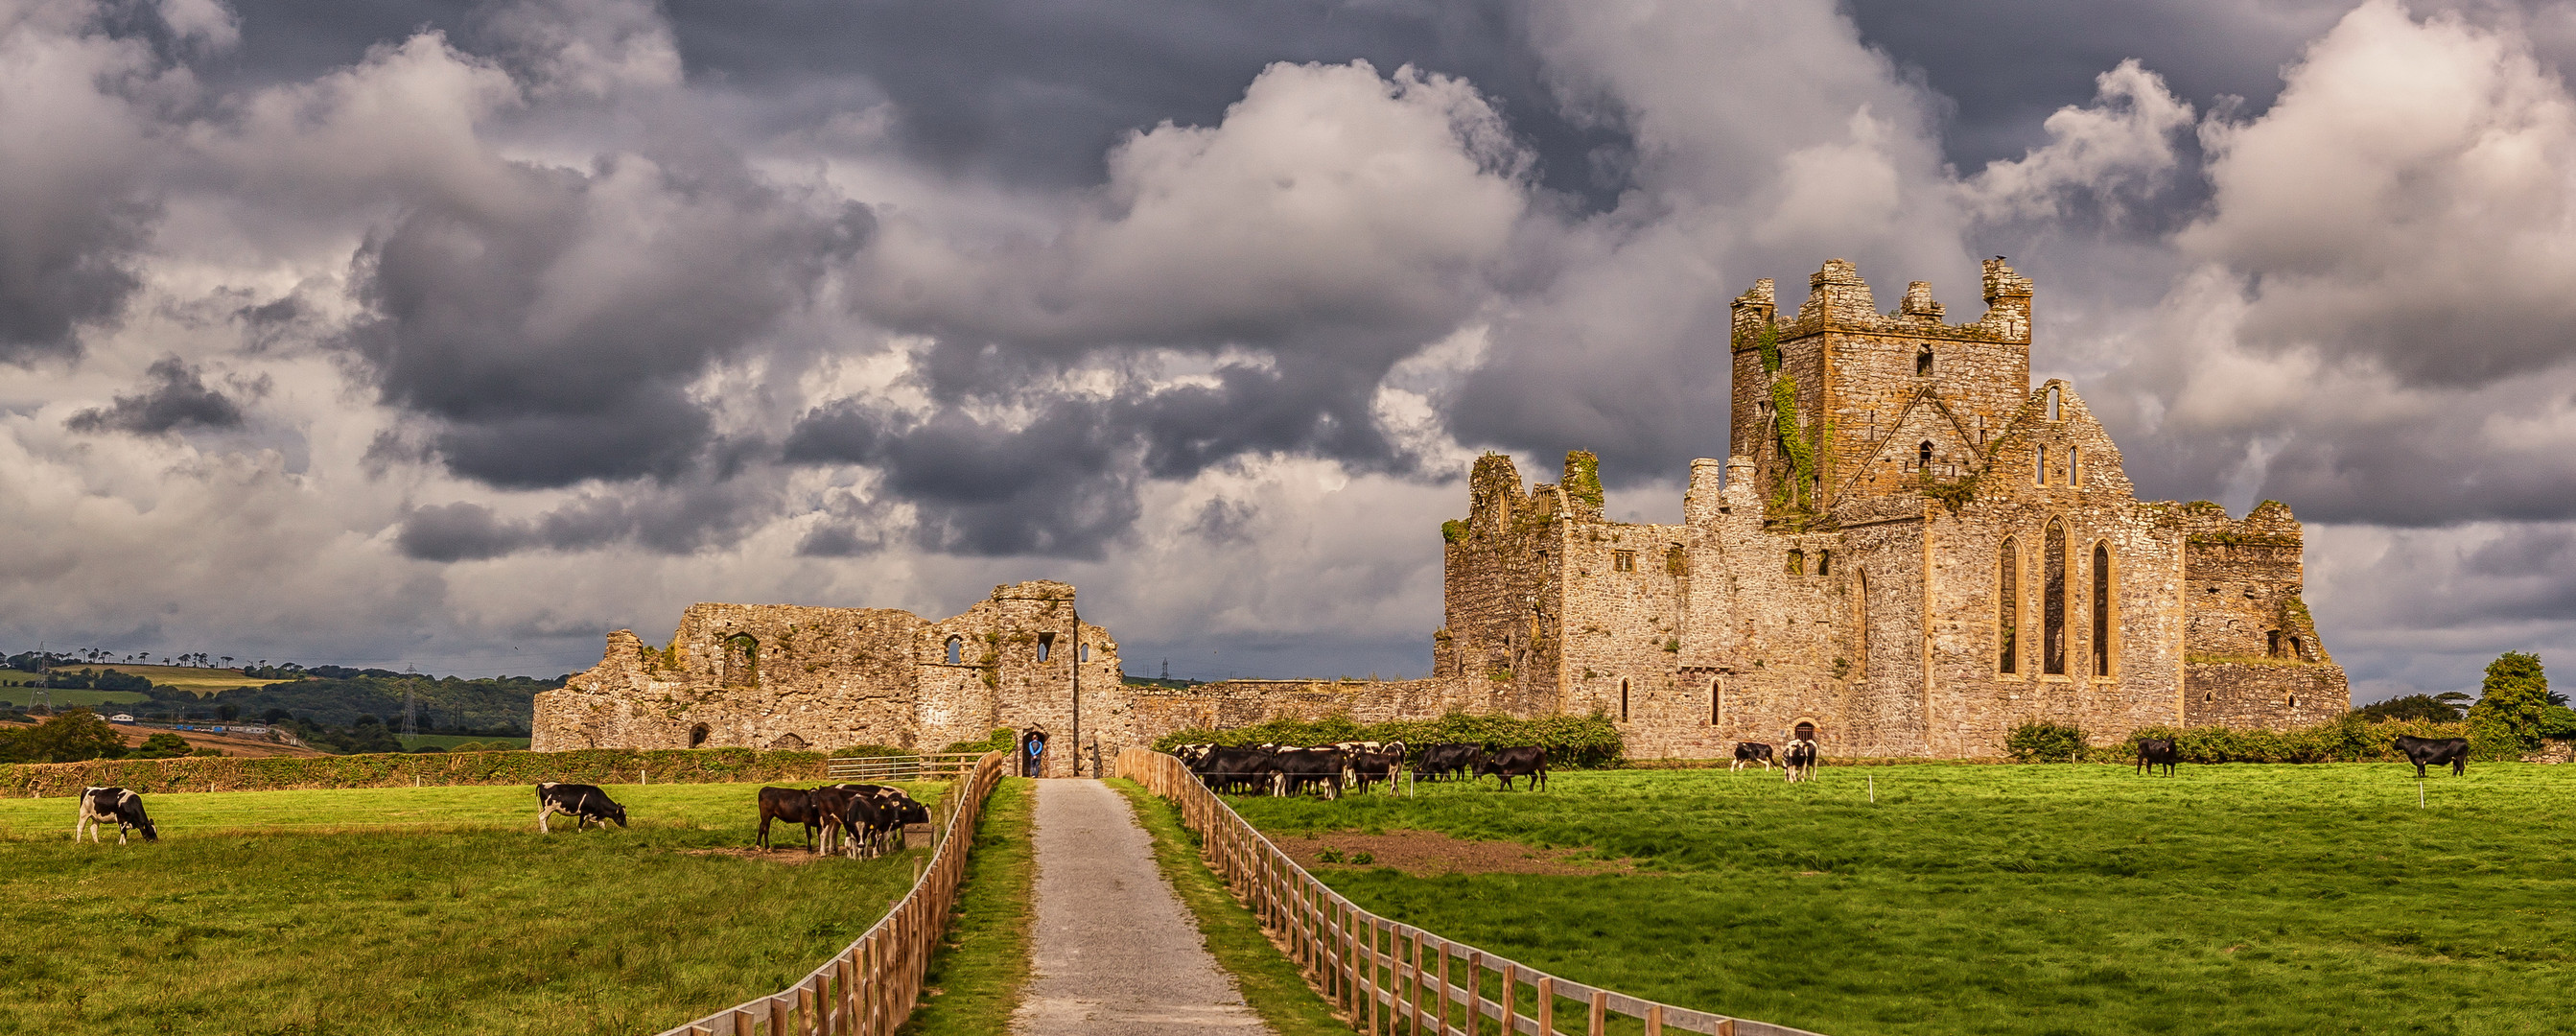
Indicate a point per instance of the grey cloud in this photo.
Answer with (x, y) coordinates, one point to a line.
(551, 332)
(664, 520)
(74, 204)
(176, 398)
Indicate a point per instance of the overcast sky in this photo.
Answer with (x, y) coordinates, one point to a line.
(455, 335)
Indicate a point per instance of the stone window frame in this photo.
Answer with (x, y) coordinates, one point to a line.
(1623, 561)
(741, 661)
(2039, 471)
(1825, 562)
(2104, 585)
(954, 650)
(2074, 466)
(1046, 645)
(1676, 561)
(2009, 579)
(1923, 361)
(2053, 627)
(1795, 563)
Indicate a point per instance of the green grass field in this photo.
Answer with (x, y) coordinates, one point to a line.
(2023, 899)
(65, 698)
(399, 910)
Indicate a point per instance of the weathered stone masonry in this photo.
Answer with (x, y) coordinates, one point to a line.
(785, 676)
(1909, 547)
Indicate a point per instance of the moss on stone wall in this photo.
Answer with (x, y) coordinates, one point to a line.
(1453, 530)
(1583, 478)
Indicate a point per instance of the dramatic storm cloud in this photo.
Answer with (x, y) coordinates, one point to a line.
(459, 333)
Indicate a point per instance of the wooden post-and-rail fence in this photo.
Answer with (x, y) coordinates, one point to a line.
(1392, 978)
(869, 988)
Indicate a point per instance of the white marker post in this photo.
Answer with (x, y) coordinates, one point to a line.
(1873, 791)
(2419, 794)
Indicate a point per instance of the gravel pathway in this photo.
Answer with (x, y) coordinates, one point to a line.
(1114, 949)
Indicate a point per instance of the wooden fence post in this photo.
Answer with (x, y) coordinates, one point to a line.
(1511, 999)
(1547, 1006)
(1600, 1023)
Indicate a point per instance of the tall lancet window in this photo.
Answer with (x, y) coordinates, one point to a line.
(2052, 601)
(2101, 609)
(2008, 606)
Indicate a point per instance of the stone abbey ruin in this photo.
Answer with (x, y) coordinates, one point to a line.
(1911, 548)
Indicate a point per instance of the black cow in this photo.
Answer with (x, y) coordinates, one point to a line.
(850, 814)
(793, 805)
(892, 810)
(1298, 769)
(100, 805)
(2157, 751)
(1507, 763)
(582, 802)
(1798, 760)
(1368, 768)
(2434, 751)
(1446, 761)
(1237, 770)
(1749, 752)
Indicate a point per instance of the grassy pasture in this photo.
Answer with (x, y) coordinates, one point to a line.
(397, 910)
(2023, 899)
(197, 679)
(63, 698)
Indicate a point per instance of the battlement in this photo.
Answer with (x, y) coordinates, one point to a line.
(1838, 299)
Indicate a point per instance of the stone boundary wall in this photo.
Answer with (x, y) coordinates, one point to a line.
(403, 770)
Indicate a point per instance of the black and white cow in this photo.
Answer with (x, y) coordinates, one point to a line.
(1749, 752)
(1798, 760)
(1299, 768)
(2434, 751)
(888, 810)
(582, 802)
(1447, 760)
(1527, 761)
(2157, 751)
(98, 806)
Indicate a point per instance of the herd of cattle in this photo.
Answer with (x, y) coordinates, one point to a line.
(1357, 765)
(868, 819)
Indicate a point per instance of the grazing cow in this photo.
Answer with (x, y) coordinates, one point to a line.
(1368, 768)
(850, 819)
(1236, 770)
(793, 805)
(1507, 763)
(2157, 751)
(582, 802)
(893, 810)
(1447, 760)
(1298, 769)
(100, 805)
(2434, 751)
(1798, 760)
(1750, 752)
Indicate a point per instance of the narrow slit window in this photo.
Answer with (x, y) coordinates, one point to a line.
(2052, 402)
(2039, 474)
(2102, 618)
(1716, 701)
(2052, 602)
(1623, 700)
(1082, 654)
(1825, 563)
(2008, 606)
(2074, 466)
(1860, 626)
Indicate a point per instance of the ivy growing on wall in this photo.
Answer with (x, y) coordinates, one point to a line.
(1583, 478)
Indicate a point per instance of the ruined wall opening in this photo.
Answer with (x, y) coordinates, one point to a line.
(2103, 622)
(1860, 626)
(1797, 565)
(1046, 645)
(2052, 402)
(956, 647)
(1676, 563)
(2008, 606)
(2293, 643)
(1923, 362)
(697, 735)
(2052, 601)
(2272, 643)
(1923, 456)
(1825, 563)
(1623, 561)
(741, 660)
